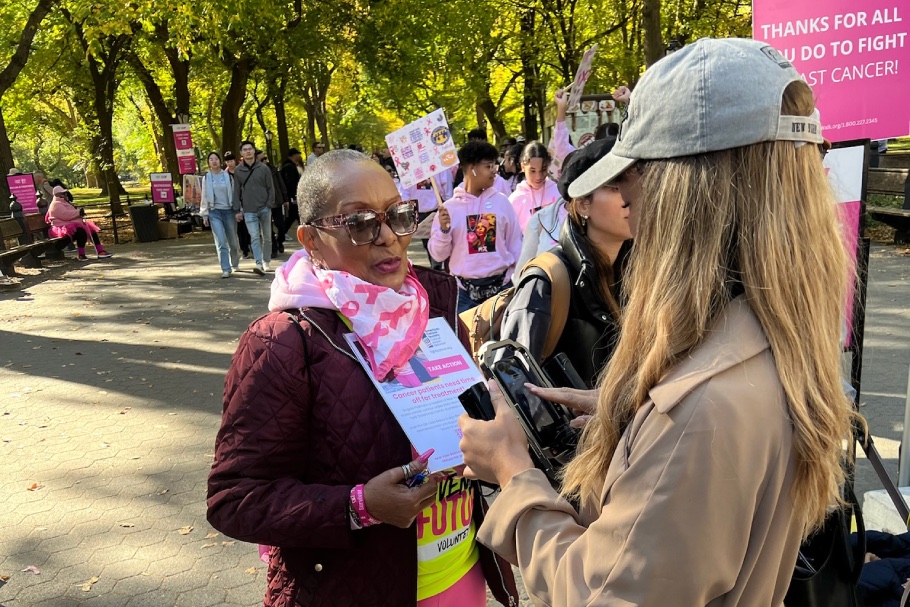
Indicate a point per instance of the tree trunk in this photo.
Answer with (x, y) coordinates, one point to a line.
(105, 85)
(6, 163)
(162, 114)
(488, 108)
(529, 74)
(281, 120)
(650, 22)
(233, 102)
(310, 127)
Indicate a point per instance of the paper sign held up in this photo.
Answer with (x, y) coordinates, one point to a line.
(422, 148)
(581, 78)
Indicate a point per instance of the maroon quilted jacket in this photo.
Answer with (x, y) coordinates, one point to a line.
(303, 424)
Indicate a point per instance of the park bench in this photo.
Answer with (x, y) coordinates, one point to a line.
(22, 251)
(35, 225)
(891, 182)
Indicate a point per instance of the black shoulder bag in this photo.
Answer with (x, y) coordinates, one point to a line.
(829, 564)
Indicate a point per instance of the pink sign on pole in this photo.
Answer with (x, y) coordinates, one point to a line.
(23, 188)
(162, 187)
(854, 55)
(183, 142)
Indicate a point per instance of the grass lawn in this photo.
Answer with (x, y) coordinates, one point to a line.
(85, 196)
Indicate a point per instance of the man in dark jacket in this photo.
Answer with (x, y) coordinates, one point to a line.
(291, 172)
(281, 199)
(254, 193)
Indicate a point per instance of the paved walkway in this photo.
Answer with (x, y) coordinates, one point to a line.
(111, 374)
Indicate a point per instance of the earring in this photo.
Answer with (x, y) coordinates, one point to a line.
(584, 223)
(473, 172)
(319, 264)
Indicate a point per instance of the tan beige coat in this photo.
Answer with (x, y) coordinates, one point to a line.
(696, 508)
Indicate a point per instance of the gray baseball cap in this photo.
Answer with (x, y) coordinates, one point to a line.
(714, 94)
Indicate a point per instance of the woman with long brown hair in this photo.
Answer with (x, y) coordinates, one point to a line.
(716, 441)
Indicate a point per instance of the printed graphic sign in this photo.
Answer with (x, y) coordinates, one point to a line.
(581, 78)
(192, 192)
(162, 188)
(422, 149)
(854, 55)
(23, 188)
(425, 400)
(183, 141)
(846, 166)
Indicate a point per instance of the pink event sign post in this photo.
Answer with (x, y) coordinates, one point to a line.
(162, 187)
(854, 55)
(183, 142)
(23, 188)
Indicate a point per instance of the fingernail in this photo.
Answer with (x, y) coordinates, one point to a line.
(426, 456)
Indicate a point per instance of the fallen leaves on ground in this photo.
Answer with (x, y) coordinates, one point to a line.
(32, 569)
(88, 583)
(126, 524)
(251, 571)
(185, 530)
(211, 535)
(34, 487)
(210, 545)
(124, 410)
(231, 543)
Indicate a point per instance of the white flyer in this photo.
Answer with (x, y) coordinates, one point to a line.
(424, 399)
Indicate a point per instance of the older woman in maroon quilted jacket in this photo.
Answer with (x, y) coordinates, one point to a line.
(309, 459)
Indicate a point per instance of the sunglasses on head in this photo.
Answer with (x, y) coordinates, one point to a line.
(364, 226)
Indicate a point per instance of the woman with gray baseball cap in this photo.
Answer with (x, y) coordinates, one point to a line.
(716, 437)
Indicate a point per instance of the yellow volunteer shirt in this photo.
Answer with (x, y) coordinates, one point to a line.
(446, 549)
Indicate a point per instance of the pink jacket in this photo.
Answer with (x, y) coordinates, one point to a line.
(61, 212)
(484, 238)
(526, 200)
(559, 147)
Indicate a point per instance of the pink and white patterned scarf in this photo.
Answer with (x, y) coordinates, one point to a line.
(388, 324)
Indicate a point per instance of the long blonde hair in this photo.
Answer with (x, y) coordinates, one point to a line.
(760, 219)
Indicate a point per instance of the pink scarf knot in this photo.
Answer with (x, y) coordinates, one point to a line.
(388, 324)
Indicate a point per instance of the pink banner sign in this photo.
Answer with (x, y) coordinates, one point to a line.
(183, 142)
(854, 55)
(23, 188)
(845, 167)
(162, 188)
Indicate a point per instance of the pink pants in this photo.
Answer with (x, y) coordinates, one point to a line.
(469, 591)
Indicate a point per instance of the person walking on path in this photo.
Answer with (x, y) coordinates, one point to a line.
(291, 172)
(537, 191)
(218, 213)
(67, 221)
(477, 230)
(253, 194)
(243, 236)
(277, 206)
(318, 150)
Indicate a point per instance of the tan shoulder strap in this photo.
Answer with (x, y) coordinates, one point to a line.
(560, 294)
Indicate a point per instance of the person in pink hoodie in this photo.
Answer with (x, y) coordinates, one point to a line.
(67, 221)
(477, 229)
(537, 191)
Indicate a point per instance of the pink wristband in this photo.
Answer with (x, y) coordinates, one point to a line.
(360, 507)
